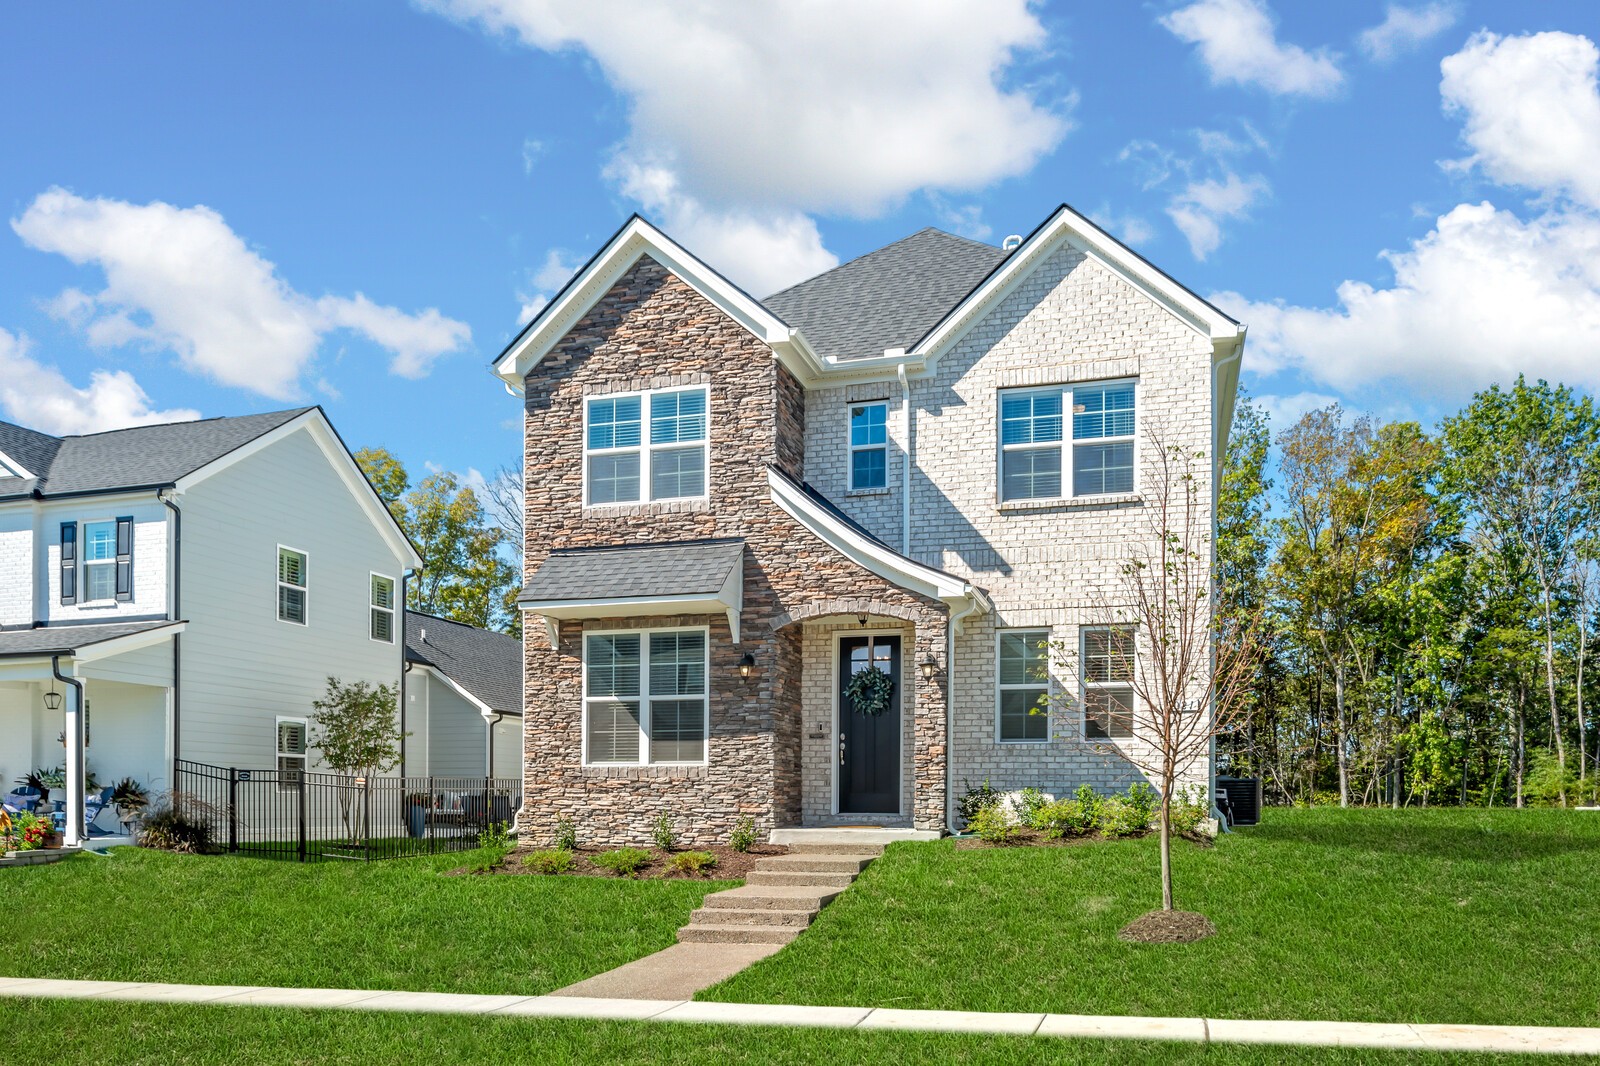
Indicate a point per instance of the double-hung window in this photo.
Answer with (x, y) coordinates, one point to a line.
(291, 752)
(1108, 683)
(645, 446)
(99, 561)
(869, 445)
(382, 620)
(645, 698)
(291, 586)
(1024, 684)
(1035, 463)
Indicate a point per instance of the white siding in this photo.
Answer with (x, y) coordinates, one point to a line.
(508, 748)
(19, 712)
(16, 565)
(241, 666)
(149, 558)
(458, 736)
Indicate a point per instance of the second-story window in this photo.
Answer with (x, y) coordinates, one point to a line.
(99, 561)
(869, 445)
(624, 464)
(382, 621)
(291, 586)
(1034, 441)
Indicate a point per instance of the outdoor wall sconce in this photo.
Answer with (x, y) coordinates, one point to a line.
(861, 618)
(747, 664)
(52, 701)
(929, 666)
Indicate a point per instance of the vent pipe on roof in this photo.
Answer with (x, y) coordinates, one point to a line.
(1011, 242)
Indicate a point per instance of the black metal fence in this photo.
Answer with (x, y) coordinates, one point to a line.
(292, 814)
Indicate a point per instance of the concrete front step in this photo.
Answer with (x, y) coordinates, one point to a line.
(815, 864)
(737, 934)
(771, 897)
(739, 916)
(776, 878)
(814, 847)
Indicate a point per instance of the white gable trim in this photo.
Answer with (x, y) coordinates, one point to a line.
(315, 423)
(635, 239)
(1067, 228)
(482, 708)
(9, 467)
(961, 596)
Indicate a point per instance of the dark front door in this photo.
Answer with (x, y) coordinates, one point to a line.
(869, 745)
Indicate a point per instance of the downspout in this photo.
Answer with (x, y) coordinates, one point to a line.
(908, 452)
(405, 666)
(1220, 445)
(489, 770)
(75, 756)
(176, 614)
(950, 713)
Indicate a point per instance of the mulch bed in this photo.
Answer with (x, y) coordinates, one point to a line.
(731, 865)
(1036, 839)
(1168, 927)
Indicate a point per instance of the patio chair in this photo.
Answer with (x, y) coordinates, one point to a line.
(92, 807)
(24, 798)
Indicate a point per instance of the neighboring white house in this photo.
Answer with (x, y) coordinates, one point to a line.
(463, 713)
(200, 581)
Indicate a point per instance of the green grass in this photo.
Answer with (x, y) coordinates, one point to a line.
(121, 1034)
(153, 916)
(1361, 915)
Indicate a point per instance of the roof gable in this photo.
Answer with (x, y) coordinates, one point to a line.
(485, 665)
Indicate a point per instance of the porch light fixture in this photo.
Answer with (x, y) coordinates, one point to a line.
(52, 701)
(862, 619)
(928, 668)
(747, 664)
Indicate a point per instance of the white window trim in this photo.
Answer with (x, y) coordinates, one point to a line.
(84, 564)
(277, 745)
(644, 448)
(305, 589)
(999, 688)
(1066, 443)
(1086, 686)
(394, 591)
(644, 693)
(853, 447)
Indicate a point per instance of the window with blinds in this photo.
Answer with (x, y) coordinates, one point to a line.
(291, 586)
(1024, 684)
(645, 697)
(292, 744)
(382, 621)
(1108, 683)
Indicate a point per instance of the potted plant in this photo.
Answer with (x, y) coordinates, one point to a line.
(34, 833)
(130, 799)
(417, 804)
(52, 781)
(32, 780)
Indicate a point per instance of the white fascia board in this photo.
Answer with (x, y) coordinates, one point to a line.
(106, 649)
(9, 464)
(483, 708)
(316, 424)
(1067, 227)
(637, 238)
(872, 556)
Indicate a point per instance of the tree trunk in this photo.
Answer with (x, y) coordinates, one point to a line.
(1466, 753)
(1550, 685)
(1583, 652)
(1166, 842)
(1518, 752)
(1343, 755)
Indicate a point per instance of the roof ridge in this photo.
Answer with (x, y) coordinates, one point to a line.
(875, 251)
(181, 422)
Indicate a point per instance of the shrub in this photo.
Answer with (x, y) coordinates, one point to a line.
(1089, 800)
(1116, 817)
(743, 837)
(566, 835)
(1028, 803)
(181, 823)
(1063, 818)
(992, 826)
(664, 836)
(1189, 810)
(691, 863)
(624, 862)
(554, 861)
(1145, 800)
(977, 799)
(31, 831)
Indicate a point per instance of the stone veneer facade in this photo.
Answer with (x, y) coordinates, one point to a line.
(652, 330)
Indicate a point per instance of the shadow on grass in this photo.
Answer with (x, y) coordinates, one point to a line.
(1445, 833)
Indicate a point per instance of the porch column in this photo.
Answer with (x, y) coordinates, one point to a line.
(931, 763)
(75, 765)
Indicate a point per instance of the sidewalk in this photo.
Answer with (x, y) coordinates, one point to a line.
(1459, 1038)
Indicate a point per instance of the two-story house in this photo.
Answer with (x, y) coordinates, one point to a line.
(184, 591)
(926, 461)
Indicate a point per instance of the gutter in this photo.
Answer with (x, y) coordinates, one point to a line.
(176, 613)
(405, 664)
(906, 460)
(76, 757)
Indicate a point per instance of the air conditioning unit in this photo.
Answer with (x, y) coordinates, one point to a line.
(1244, 798)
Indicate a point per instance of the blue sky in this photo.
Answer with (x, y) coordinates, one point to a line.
(226, 208)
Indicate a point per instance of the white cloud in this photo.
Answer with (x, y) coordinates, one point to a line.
(40, 397)
(1481, 298)
(180, 278)
(965, 219)
(1238, 43)
(1285, 411)
(1130, 229)
(545, 282)
(532, 149)
(1404, 28)
(1199, 210)
(762, 250)
(1531, 110)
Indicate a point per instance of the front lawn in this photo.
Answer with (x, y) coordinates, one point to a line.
(125, 1034)
(153, 916)
(1361, 915)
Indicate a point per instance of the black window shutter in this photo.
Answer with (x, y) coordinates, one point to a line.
(124, 560)
(69, 562)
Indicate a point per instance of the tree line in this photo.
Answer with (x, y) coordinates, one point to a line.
(1427, 602)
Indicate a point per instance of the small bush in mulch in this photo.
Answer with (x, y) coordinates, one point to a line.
(711, 862)
(1021, 836)
(1168, 927)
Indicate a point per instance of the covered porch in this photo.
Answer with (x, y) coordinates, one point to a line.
(83, 707)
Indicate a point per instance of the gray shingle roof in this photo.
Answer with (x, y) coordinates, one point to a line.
(888, 298)
(638, 572)
(63, 640)
(485, 663)
(137, 457)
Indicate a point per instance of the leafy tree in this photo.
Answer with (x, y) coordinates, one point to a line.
(357, 730)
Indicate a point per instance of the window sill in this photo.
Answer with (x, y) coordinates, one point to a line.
(675, 506)
(98, 605)
(636, 771)
(1072, 503)
(884, 491)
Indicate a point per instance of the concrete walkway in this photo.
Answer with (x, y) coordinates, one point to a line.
(1458, 1038)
